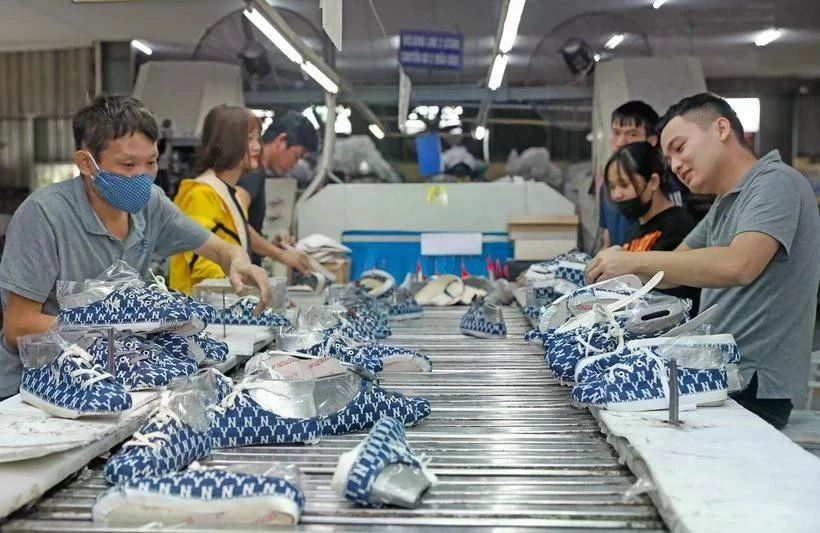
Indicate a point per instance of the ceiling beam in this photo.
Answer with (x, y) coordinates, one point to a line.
(422, 94)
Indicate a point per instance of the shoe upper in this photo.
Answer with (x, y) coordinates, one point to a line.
(386, 444)
(645, 376)
(241, 421)
(138, 366)
(129, 305)
(241, 314)
(164, 444)
(485, 318)
(215, 351)
(73, 381)
(212, 484)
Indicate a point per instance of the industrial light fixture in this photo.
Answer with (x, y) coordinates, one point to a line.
(596, 57)
(497, 72)
(320, 77)
(658, 3)
(614, 41)
(767, 36)
(142, 47)
(510, 29)
(376, 131)
(480, 133)
(275, 37)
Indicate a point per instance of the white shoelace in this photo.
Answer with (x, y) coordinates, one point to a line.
(602, 314)
(238, 393)
(660, 371)
(154, 439)
(158, 283)
(87, 366)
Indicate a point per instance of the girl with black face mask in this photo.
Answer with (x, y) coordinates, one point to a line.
(638, 184)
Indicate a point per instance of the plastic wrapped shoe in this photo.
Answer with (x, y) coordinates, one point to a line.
(201, 310)
(374, 357)
(216, 351)
(173, 437)
(484, 320)
(133, 309)
(569, 347)
(73, 385)
(203, 497)
(139, 366)
(383, 470)
(589, 368)
(264, 411)
(641, 383)
(368, 323)
(241, 314)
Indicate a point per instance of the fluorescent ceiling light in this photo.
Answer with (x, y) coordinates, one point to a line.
(320, 77)
(275, 37)
(596, 57)
(376, 131)
(658, 3)
(480, 133)
(767, 36)
(497, 72)
(614, 41)
(748, 111)
(511, 21)
(142, 47)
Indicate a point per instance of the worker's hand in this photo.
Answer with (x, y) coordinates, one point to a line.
(609, 263)
(241, 271)
(283, 240)
(296, 259)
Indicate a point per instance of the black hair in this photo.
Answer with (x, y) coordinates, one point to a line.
(640, 113)
(297, 128)
(705, 108)
(224, 142)
(108, 117)
(639, 159)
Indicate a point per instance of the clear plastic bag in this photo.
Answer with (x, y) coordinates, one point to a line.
(189, 402)
(41, 349)
(219, 293)
(72, 294)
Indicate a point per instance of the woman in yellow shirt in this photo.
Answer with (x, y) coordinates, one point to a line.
(229, 147)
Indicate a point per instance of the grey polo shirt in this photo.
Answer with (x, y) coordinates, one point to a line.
(772, 318)
(56, 235)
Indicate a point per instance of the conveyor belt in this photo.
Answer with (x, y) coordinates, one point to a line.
(508, 448)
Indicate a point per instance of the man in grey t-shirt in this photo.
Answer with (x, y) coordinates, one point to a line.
(74, 230)
(756, 253)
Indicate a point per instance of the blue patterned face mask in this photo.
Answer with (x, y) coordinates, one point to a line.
(126, 193)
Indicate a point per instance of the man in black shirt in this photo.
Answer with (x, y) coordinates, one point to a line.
(287, 140)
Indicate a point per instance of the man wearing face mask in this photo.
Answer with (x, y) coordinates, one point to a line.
(76, 229)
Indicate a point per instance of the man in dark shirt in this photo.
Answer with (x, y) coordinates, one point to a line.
(288, 139)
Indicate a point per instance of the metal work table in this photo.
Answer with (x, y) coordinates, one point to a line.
(506, 445)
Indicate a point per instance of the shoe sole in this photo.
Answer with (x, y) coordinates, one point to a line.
(696, 399)
(136, 509)
(60, 412)
(481, 334)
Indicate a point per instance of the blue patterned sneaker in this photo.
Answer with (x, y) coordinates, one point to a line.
(571, 271)
(202, 497)
(533, 314)
(403, 306)
(568, 347)
(201, 310)
(255, 412)
(140, 366)
(395, 358)
(172, 438)
(328, 344)
(174, 344)
(73, 385)
(368, 323)
(383, 470)
(241, 314)
(484, 320)
(641, 383)
(133, 309)
(684, 347)
(216, 352)
(377, 283)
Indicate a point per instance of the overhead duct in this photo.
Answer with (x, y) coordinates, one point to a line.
(183, 92)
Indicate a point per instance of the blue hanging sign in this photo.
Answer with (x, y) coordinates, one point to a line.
(431, 49)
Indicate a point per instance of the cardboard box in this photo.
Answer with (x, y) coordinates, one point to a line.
(340, 268)
(537, 237)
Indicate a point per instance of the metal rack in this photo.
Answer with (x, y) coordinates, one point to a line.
(506, 445)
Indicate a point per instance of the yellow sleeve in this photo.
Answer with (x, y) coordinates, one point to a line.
(188, 269)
